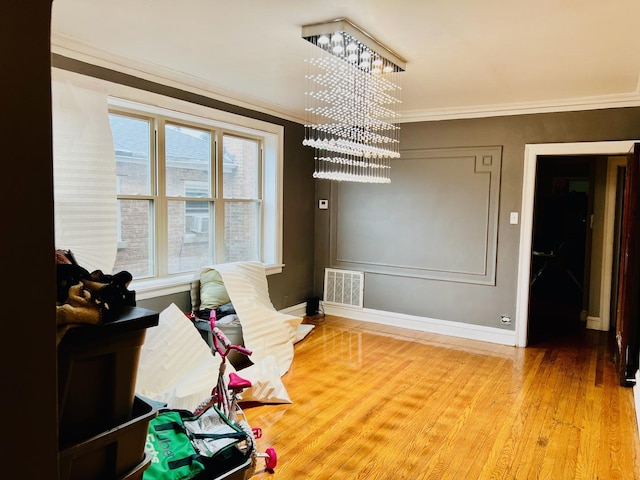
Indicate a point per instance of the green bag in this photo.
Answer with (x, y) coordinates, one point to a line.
(183, 446)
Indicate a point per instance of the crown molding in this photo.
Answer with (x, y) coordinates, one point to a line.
(501, 110)
(68, 47)
(71, 48)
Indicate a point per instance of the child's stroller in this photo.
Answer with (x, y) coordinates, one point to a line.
(215, 441)
(225, 397)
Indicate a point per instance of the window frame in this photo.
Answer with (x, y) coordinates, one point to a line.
(270, 138)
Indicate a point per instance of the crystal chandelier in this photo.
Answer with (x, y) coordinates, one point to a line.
(352, 103)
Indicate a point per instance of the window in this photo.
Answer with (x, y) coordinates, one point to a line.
(242, 199)
(134, 150)
(192, 192)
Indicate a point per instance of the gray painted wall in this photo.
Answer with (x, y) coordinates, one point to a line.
(312, 240)
(295, 284)
(446, 299)
(423, 217)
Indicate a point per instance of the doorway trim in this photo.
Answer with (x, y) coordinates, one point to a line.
(607, 254)
(531, 153)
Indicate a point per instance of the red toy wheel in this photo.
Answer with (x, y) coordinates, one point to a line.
(272, 458)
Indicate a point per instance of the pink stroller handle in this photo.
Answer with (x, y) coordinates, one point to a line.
(242, 350)
(219, 335)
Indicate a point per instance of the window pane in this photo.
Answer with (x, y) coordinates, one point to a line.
(242, 231)
(188, 159)
(190, 225)
(135, 245)
(132, 143)
(240, 167)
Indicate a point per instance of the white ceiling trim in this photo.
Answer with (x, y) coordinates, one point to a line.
(71, 48)
(576, 104)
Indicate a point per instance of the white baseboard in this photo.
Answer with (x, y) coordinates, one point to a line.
(424, 324)
(299, 310)
(594, 323)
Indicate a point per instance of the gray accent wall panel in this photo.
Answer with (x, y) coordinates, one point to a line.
(443, 299)
(437, 219)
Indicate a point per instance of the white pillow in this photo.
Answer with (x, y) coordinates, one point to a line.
(212, 290)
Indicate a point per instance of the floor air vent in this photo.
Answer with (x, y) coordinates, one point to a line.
(343, 287)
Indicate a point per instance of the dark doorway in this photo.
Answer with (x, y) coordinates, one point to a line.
(561, 246)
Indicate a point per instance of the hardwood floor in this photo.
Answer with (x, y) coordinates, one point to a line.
(376, 402)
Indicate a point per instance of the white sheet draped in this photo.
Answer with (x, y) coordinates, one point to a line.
(177, 367)
(266, 331)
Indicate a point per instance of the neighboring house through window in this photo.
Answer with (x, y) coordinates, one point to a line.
(193, 192)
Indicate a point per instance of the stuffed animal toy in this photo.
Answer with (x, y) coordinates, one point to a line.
(89, 298)
(78, 308)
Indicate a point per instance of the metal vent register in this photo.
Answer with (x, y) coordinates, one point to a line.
(343, 287)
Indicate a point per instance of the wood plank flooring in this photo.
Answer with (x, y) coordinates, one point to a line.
(377, 402)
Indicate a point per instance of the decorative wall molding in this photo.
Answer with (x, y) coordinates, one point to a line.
(438, 219)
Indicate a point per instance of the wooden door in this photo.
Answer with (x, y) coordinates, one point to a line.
(628, 291)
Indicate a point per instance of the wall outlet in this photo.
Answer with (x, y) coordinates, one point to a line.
(505, 319)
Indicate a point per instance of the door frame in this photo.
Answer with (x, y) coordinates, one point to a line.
(607, 254)
(531, 153)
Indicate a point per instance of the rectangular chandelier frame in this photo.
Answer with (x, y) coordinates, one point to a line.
(352, 102)
(346, 26)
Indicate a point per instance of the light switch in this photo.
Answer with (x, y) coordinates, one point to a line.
(513, 218)
(323, 204)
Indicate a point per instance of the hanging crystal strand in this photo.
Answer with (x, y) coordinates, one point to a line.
(345, 168)
(383, 169)
(374, 170)
(387, 170)
(327, 166)
(348, 166)
(385, 175)
(398, 96)
(366, 170)
(355, 102)
(353, 99)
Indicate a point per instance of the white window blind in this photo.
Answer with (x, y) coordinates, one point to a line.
(85, 205)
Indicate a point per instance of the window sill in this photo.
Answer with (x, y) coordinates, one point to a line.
(159, 287)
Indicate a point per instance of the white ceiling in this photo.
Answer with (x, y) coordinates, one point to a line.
(465, 58)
